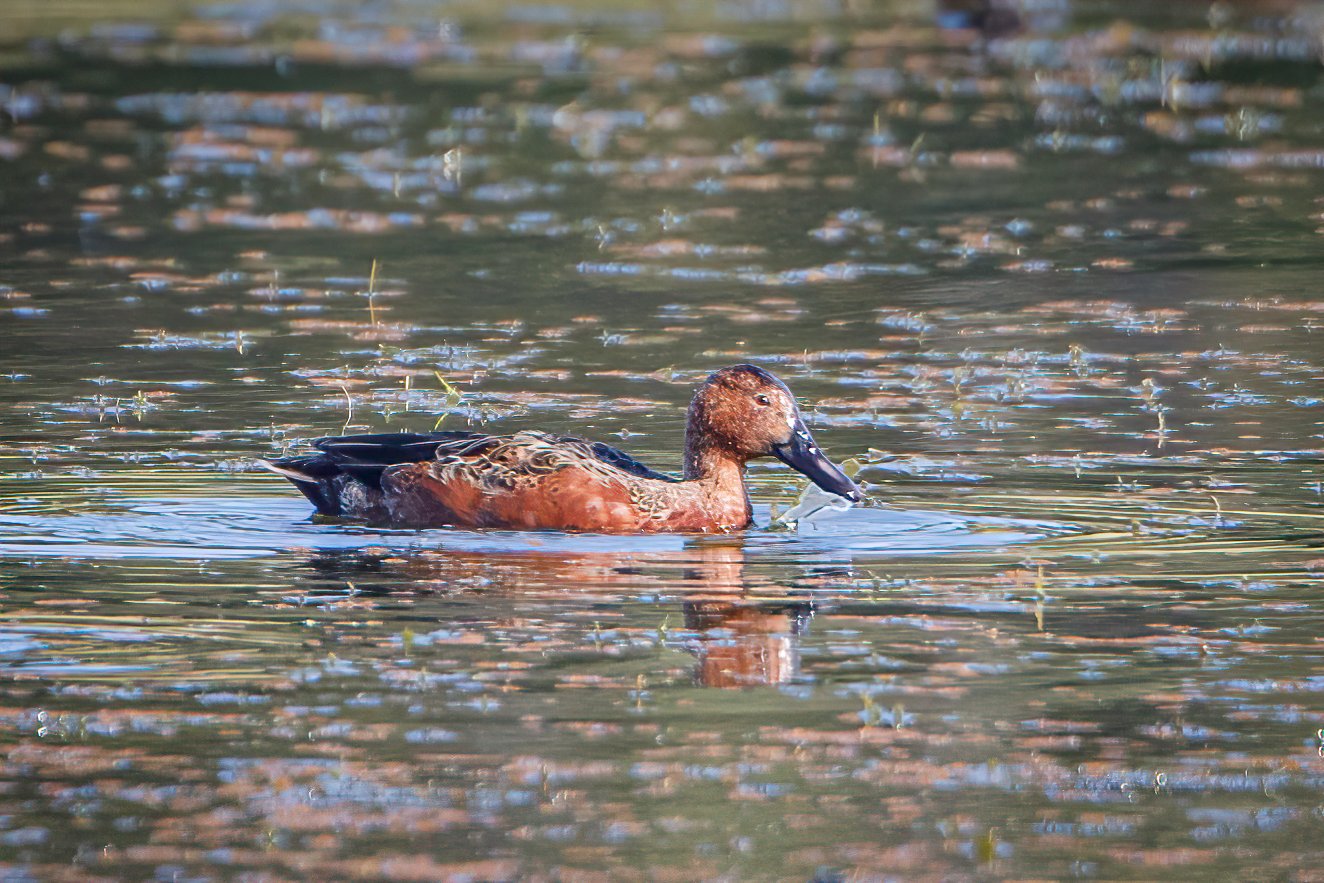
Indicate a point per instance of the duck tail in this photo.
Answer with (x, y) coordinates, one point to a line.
(314, 477)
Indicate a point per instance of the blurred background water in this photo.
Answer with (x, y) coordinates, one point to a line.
(1049, 271)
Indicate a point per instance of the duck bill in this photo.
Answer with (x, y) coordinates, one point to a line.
(802, 455)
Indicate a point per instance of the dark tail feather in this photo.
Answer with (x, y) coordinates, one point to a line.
(368, 473)
(390, 448)
(346, 459)
(314, 477)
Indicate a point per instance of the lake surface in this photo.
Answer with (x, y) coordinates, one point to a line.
(1055, 283)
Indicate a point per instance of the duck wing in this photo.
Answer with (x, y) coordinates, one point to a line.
(322, 477)
(615, 457)
(390, 448)
(366, 457)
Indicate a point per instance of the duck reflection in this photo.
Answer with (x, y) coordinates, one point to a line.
(989, 18)
(743, 629)
(744, 645)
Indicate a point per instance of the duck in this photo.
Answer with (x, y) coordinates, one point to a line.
(534, 480)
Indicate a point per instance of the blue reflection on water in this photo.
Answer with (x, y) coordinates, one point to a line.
(257, 526)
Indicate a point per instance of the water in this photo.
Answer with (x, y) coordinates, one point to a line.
(1055, 288)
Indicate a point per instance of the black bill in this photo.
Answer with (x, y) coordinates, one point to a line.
(802, 455)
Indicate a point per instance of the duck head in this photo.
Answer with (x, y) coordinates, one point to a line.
(746, 412)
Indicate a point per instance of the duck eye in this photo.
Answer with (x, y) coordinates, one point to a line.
(763, 400)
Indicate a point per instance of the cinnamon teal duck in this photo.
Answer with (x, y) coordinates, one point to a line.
(538, 481)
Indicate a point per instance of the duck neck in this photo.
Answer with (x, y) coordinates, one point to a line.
(719, 471)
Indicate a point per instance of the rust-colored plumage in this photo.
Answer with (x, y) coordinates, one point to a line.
(537, 481)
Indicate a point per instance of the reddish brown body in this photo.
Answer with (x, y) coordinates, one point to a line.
(535, 481)
(571, 498)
